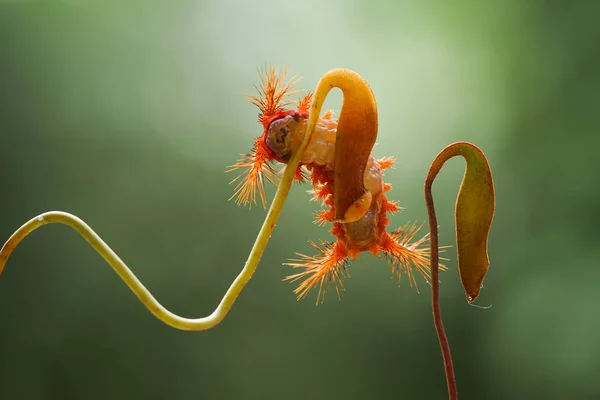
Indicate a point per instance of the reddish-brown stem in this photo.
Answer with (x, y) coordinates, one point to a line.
(474, 213)
(435, 294)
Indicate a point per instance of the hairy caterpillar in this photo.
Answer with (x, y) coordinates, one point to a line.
(361, 226)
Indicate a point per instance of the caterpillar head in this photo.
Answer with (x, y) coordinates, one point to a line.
(280, 128)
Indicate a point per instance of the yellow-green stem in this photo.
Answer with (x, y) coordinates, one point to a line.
(166, 316)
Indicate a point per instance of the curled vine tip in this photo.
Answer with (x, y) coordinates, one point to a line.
(474, 213)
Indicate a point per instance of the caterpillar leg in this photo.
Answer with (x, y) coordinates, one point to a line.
(330, 265)
(407, 257)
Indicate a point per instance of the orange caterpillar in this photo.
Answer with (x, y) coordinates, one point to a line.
(362, 227)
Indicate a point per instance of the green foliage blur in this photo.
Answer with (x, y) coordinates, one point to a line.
(126, 113)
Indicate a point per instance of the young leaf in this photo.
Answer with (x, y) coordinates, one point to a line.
(474, 213)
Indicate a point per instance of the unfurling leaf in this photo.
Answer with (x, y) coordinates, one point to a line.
(474, 213)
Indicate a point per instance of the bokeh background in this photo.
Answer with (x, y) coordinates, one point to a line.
(126, 113)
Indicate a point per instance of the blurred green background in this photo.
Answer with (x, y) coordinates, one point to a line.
(126, 113)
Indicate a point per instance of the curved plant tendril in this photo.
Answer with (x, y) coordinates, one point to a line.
(333, 78)
(474, 213)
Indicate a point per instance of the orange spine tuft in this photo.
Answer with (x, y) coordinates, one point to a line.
(250, 182)
(330, 265)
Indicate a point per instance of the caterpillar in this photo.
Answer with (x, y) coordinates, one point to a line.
(361, 228)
